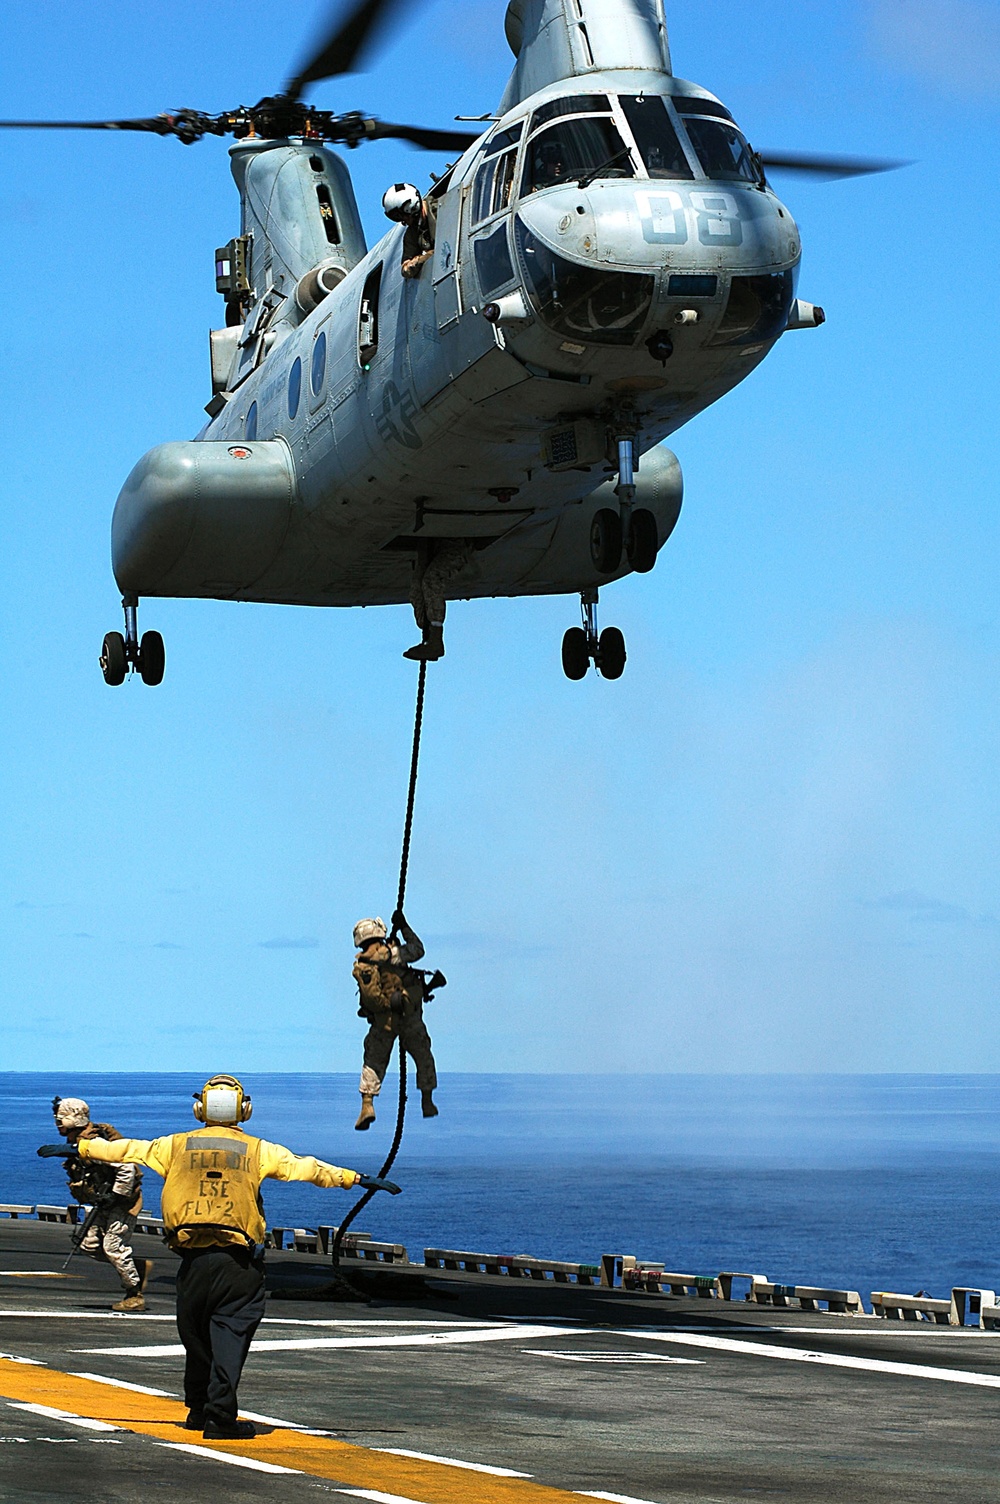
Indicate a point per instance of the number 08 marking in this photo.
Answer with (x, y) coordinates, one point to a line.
(718, 218)
(664, 217)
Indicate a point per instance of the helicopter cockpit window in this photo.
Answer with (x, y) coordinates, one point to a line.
(570, 104)
(720, 147)
(655, 136)
(580, 302)
(756, 310)
(494, 185)
(493, 263)
(571, 149)
(508, 137)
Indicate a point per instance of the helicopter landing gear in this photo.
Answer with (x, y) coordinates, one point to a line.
(584, 645)
(629, 530)
(120, 653)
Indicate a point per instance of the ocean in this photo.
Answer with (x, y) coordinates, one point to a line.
(866, 1182)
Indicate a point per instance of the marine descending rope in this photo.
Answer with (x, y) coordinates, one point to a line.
(404, 864)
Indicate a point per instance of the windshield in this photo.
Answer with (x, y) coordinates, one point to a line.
(655, 136)
(756, 311)
(722, 151)
(579, 302)
(572, 149)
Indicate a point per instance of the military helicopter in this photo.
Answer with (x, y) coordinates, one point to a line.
(609, 258)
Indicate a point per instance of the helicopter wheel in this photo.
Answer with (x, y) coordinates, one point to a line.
(643, 541)
(152, 658)
(606, 540)
(611, 653)
(114, 664)
(575, 653)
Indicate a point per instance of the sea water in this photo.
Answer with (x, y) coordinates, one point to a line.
(862, 1182)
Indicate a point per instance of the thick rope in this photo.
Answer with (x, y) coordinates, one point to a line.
(404, 864)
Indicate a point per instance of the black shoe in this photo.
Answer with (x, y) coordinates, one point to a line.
(234, 1430)
(195, 1420)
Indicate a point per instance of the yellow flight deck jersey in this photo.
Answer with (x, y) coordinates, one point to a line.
(211, 1180)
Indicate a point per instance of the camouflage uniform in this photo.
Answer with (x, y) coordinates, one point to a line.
(391, 997)
(427, 595)
(117, 1191)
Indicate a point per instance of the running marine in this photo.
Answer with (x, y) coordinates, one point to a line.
(113, 1196)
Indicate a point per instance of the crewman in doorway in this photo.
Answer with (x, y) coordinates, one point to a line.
(214, 1218)
(391, 997)
(431, 573)
(114, 1197)
(405, 204)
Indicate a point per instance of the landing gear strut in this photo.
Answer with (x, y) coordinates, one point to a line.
(584, 645)
(120, 653)
(630, 529)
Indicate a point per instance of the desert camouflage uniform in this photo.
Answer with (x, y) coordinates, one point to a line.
(109, 1236)
(383, 976)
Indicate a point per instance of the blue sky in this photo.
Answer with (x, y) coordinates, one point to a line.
(771, 845)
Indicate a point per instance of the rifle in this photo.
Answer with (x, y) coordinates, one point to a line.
(78, 1234)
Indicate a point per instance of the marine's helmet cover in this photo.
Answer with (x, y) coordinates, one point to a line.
(70, 1112)
(401, 201)
(369, 929)
(222, 1101)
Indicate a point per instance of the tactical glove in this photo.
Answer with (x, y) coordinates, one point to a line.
(57, 1151)
(372, 1183)
(398, 920)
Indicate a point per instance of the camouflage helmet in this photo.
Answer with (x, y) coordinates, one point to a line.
(369, 929)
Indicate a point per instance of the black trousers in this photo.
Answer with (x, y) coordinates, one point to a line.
(220, 1302)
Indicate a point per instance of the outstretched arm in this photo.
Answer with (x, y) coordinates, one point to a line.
(412, 949)
(279, 1163)
(154, 1153)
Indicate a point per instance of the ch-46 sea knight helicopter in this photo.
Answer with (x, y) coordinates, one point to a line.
(609, 259)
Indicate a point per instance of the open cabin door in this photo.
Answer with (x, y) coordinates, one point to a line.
(447, 257)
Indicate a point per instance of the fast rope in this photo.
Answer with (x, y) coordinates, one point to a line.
(404, 864)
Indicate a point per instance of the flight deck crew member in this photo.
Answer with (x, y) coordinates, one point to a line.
(405, 204)
(391, 997)
(214, 1218)
(114, 1199)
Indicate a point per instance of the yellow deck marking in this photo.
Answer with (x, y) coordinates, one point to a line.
(36, 1274)
(342, 1461)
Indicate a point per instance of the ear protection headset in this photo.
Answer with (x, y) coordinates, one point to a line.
(222, 1100)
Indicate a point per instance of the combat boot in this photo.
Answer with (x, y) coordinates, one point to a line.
(430, 649)
(427, 1104)
(366, 1116)
(132, 1301)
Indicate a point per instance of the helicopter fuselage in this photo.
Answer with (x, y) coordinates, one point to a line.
(569, 302)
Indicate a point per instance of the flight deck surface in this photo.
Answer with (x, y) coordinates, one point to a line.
(454, 1388)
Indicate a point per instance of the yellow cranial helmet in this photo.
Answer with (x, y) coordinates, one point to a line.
(222, 1100)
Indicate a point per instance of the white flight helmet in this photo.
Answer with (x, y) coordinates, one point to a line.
(222, 1101)
(402, 201)
(369, 929)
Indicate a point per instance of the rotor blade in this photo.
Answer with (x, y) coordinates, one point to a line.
(429, 140)
(342, 46)
(156, 123)
(826, 167)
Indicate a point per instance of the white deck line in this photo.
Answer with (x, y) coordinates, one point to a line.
(102, 1378)
(375, 1496)
(825, 1360)
(473, 1467)
(51, 1413)
(267, 1321)
(303, 1344)
(237, 1461)
(615, 1498)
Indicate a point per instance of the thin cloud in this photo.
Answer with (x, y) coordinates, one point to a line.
(167, 945)
(954, 44)
(921, 908)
